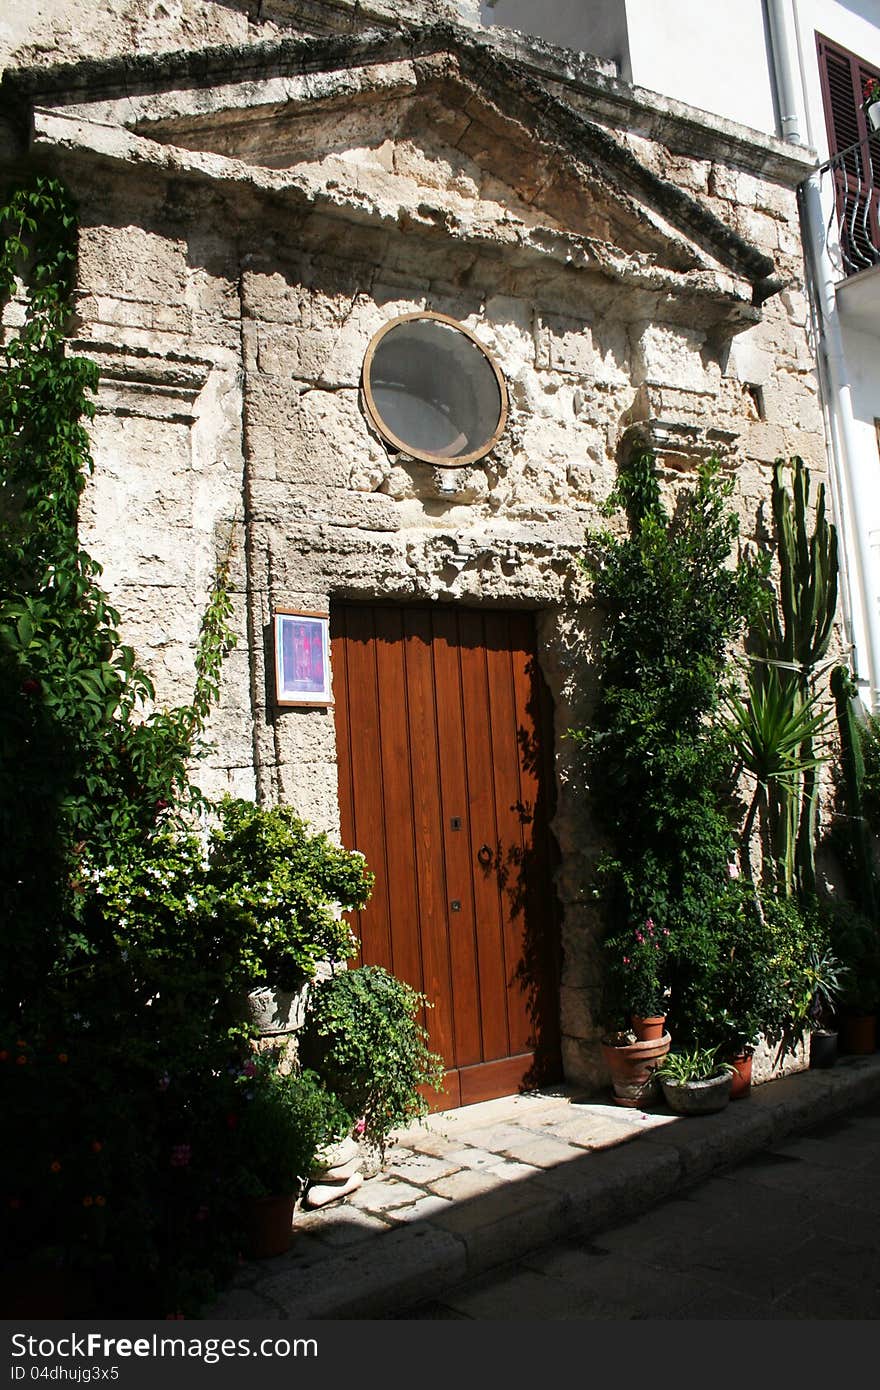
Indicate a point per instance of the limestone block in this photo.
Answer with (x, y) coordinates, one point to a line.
(274, 297)
(672, 355)
(312, 789)
(133, 263)
(582, 1063)
(305, 735)
(774, 1059)
(579, 1013)
(746, 361)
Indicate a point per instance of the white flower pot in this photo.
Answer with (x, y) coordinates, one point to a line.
(872, 113)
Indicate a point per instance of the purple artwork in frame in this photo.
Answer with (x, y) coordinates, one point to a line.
(302, 658)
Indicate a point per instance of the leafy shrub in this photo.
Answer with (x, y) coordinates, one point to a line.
(283, 886)
(363, 1037)
(281, 1119)
(698, 1064)
(124, 926)
(656, 761)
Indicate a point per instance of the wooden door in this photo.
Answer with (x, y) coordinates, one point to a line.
(442, 722)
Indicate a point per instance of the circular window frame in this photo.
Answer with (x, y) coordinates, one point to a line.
(438, 460)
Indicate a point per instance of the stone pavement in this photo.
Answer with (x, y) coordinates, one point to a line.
(472, 1190)
(792, 1233)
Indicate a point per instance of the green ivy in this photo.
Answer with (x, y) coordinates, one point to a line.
(363, 1036)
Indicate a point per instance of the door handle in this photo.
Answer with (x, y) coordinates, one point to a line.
(484, 854)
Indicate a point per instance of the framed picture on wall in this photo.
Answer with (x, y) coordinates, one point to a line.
(302, 658)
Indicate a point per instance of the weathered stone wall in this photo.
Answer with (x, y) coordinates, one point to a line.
(60, 31)
(230, 316)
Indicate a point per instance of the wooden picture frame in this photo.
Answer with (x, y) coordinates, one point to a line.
(302, 658)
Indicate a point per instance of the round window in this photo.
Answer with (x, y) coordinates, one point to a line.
(433, 391)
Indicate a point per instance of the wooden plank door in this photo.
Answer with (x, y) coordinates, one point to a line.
(444, 756)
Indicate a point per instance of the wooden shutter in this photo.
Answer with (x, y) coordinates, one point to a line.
(857, 177)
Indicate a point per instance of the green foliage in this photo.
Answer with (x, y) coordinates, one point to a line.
(657, 765)
(127, 925)
(83, 769)
(856, 940)
(362, 1034)
(859, 788)
(774, 730)
(698, 1064)
(281, 1120)
(637, 968)
(283, 886)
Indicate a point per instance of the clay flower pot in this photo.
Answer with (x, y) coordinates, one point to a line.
(267, 1223)
(648, 1028)
(631, 1065)
(741, 1079)
(858, 1033)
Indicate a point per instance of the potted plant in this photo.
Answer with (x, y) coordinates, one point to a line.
(871, 102)
(363, 1036)
(695, 1082)
(636, 957)
(279, 1122)
(857, 941)
(825, 980)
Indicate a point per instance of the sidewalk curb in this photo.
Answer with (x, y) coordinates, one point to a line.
(380, 1272)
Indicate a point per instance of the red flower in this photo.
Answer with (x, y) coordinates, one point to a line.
(97, 1146)
(21, 1061)
(55, 1166)
(4, 1056)
(62, 1056)
(88, 1201)
(30, 687)
(231, 1121)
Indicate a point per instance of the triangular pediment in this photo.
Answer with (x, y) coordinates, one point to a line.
(432, 128)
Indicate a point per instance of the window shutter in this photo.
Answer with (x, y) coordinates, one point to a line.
(856, 176)
(843, 77)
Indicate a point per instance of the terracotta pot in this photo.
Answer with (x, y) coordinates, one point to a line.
(267, 1223)
(631, 1066)
(858, 1033)
(741, 1080)
(648, 1028)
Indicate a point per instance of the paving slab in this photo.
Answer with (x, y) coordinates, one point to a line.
(470, 1190)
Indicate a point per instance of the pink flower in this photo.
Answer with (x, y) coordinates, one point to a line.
(360, 1126)
(639, 937)
(626, 960)
(650, 927)
(250, 1068)
(733, 870)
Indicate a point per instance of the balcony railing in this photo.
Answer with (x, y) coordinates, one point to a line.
(850, 188)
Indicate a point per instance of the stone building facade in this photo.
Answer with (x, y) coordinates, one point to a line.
(258, 200)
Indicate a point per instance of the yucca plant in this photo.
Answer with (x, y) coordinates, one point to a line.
(772, 733)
